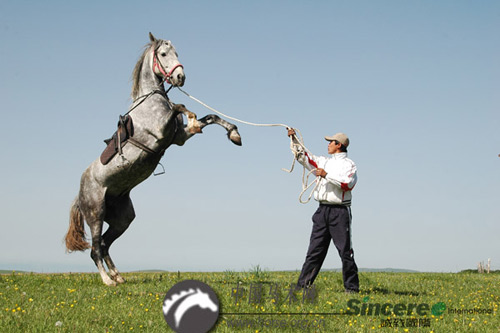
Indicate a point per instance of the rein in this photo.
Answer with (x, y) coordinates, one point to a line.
(297, 146)
(139, 144)
(145, 97)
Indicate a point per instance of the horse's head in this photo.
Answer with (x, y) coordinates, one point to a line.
(204, 301)
(166, 63)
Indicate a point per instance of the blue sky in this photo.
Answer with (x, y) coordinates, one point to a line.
(415, 85)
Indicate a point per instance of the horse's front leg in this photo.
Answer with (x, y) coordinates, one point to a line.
(232, 129)
(185, 133)
(193, 125)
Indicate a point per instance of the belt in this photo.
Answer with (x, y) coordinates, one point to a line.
(332, 205)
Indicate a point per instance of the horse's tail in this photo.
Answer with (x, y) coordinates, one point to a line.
(75, 237)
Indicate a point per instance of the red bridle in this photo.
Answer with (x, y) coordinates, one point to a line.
(157, 63)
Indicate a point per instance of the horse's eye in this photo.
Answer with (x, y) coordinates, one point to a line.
(163, 54)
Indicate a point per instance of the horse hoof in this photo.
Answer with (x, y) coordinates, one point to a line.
(110, 283)
(235, 137)
(118, 279)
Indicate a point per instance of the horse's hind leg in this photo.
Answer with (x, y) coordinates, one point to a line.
(92, 207)
(97, 251)
(119, 214)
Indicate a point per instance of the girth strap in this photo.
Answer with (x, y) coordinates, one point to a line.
(144, 147)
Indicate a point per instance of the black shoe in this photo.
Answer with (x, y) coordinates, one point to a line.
(352, 291)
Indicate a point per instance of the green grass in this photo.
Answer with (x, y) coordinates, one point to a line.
(77, 302)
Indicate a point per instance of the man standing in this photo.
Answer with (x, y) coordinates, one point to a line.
(332, 219)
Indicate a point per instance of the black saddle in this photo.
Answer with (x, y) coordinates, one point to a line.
(118, 140)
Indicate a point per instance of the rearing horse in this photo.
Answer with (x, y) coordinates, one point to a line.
(104, 194)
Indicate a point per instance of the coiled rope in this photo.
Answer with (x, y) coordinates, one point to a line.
(297, 147)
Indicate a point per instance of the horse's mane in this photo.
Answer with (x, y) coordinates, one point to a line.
(136, 74)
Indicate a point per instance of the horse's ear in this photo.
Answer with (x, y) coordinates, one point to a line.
(152, 38)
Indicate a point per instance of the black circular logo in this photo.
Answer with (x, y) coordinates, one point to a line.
(191, 306)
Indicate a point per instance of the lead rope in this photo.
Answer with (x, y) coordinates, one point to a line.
(298, 148)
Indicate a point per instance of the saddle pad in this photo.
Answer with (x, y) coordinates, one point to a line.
(126, 130)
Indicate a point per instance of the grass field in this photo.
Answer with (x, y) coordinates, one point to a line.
(255, 301)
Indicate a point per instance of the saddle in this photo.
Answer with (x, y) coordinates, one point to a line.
(114, 144)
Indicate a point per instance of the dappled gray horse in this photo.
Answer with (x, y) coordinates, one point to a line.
(157, 123)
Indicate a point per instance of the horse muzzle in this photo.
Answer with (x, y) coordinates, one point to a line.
(176, 76)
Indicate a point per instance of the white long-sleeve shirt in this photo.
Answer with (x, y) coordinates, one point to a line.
(340, 178)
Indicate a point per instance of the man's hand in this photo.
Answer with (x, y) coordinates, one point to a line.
(291, 132)
(320, 172)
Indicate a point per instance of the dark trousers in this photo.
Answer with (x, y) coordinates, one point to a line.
(330, 222)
